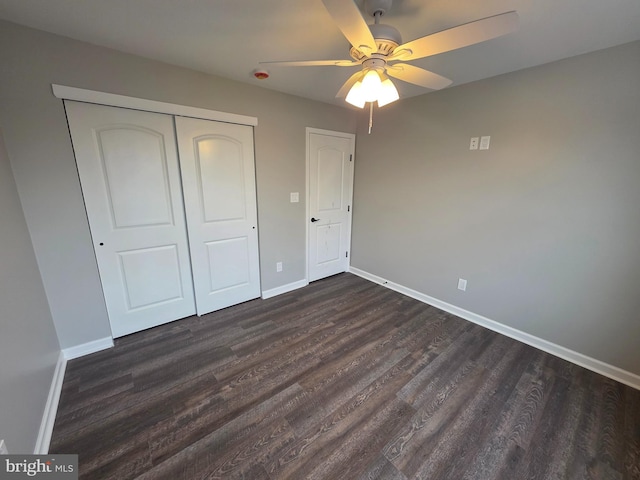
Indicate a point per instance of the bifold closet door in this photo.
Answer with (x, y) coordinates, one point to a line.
(218, 178)
(128, 166)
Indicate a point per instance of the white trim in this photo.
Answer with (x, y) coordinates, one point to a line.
(114, 100)
(307, 133)
(349, 136)
(51, 408)
(580, 359)
(331, 133)
(87, 348)
(284, 289)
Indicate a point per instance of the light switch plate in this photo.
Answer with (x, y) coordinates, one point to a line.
(484, 142)
(462, 284)
(295, 197)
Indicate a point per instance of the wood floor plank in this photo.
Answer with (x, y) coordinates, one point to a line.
(382, 469)
(632, 434)
(343, 379)
(535, 464)
(333, 392)
(219, 452)
(494, 449)
(362, 445)
(320, 443)
(476, 424)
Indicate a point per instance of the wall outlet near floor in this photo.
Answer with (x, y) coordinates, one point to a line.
(3, 448)
(473, 144)
(279, 267)
(462, 284)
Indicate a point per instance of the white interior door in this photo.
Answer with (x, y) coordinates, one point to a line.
(128, 166)
(218, 175)
(330, 176)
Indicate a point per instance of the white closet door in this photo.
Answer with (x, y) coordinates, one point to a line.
(218, 175)
(128, 166)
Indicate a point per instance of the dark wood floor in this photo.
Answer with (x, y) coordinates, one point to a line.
(343, 379)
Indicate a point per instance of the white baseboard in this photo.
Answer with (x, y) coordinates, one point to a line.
(87, 348)
(585, 361)
(284, 289)
(51, 408)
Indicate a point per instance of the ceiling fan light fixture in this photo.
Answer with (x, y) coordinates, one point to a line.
(371, 85)
(356, 95)
(388, 93)
(372, 88)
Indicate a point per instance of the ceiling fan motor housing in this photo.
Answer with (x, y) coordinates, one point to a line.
(387, 39)
(381, 31)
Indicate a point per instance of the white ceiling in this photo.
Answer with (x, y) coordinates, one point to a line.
(230, 37)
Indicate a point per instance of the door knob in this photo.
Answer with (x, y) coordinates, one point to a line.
(315, 219)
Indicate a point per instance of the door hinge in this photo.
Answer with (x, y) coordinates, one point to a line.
(351, 157)
(348, 208)
(346, 254)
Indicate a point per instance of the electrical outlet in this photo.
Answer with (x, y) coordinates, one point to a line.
(462, 284)
(279, 267)
(3, 448)
(473, 145)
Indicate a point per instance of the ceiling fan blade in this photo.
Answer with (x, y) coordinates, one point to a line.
(417, 76)
(457, 37)
(350, 22)
(313, 63)
(348, 84)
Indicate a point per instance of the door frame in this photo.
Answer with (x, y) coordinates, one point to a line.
(333, 133)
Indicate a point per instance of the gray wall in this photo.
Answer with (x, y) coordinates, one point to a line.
(545, 225)
(44, 167)
(28, 343)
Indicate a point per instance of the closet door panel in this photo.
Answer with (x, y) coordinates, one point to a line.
(128, 167)
(218, 175)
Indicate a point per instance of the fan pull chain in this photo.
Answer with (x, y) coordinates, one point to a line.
(370, 116)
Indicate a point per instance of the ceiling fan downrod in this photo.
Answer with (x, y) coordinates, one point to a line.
(377, 7)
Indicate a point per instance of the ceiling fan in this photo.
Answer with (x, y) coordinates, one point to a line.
(379, 51)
